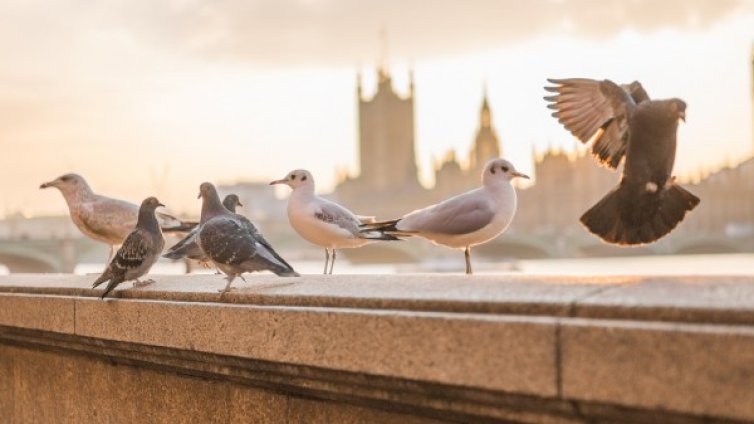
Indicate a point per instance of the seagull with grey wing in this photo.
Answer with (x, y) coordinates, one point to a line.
(622, 121)
(466, 220)
(103, 218)
(322, 222)
(139, 251)
(233, 243)
(188, 246)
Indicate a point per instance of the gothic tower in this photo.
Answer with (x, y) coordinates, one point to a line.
(386, 137)
(486, 145)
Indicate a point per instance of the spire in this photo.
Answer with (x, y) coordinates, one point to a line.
(382, 71)
(485, 115)
(358, 84)
(411, 87)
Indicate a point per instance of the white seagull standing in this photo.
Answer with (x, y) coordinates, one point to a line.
(466, 220)
(322, 222)
(103, 218)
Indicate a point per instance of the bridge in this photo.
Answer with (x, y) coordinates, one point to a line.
(54, 245)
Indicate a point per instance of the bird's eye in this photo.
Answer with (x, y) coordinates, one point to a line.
(293, 177)
(303, 178)
(504, 168)
(492, 170)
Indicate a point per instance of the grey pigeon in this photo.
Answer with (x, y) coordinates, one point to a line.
(139, 251)
(624, 122)
(233, 243)
(103, 218)
(188, 247)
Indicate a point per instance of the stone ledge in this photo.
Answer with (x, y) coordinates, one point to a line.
(506, 348)
(721, 299)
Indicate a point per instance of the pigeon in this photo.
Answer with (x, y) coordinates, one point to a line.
(622, 121)
(102, 218)
(322, 222)
(188, 247)
(233, 243)
(139, 251)
(465, 220)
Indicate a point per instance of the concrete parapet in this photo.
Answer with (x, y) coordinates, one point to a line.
(403, 348)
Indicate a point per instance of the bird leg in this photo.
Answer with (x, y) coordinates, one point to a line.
(467, 254)
(332, 261)
(139, 283)
(241, 277)
(327, 260)
(230, 279)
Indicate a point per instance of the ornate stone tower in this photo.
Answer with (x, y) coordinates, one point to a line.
(386, 137)
(486, 144)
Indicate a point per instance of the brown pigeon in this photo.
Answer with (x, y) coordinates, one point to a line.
(624, 122)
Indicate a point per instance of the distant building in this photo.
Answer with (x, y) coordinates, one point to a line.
(388, 179)
(258, 199)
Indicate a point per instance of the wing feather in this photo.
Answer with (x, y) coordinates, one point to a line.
(596, 112)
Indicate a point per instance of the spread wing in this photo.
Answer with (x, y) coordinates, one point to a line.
(458, 215)
(596, 111)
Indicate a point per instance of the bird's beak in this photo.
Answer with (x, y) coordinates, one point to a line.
(47, 184)
(199, 196)
(240, 204)
(277, 182)
(520, 175)
(682, 116)
(160, 204)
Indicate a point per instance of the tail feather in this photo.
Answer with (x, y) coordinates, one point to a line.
(627, 216)
(102, 278)
(384, 230)
(110, 286)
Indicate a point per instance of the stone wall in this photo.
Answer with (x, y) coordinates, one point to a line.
(383, 349)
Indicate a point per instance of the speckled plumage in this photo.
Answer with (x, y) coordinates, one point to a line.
(103, 218)
(233, 243)
(140, 250)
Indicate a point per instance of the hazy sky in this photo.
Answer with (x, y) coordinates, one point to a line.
(153, 97)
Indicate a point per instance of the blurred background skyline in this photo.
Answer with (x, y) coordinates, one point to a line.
(155, 97)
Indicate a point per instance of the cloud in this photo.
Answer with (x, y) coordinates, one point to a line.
(346, 31)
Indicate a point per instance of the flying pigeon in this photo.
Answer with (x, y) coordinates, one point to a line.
(465, 220)
(322, 222)
(103, 218)
(139, 251)
(188, 247)
(622, 121)
(232, 242)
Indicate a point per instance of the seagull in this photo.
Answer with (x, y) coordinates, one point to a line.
(465, 220)
(322, 222)
(188, 247)
(622, 121)
(139, 251)
(102, 218)
(233, 243)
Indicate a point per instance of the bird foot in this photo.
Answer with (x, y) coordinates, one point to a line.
(225, 290)
(138, 283)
